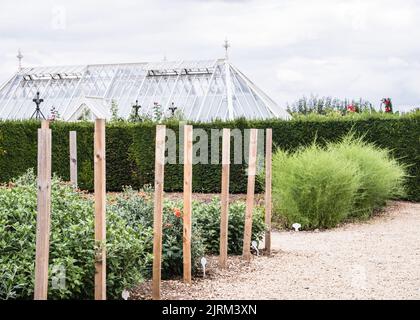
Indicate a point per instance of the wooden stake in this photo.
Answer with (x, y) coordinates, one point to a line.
(45, 124)
(100, 210)
(43, 214)
(268, 159)
(157, 220)
(188, 137)
(224, 218)
(73, 158)
(252, 164)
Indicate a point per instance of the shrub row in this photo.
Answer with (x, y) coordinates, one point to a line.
(129, 239)
(72, 244)
(130, 149)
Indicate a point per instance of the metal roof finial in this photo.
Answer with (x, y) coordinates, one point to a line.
(226, 45)
(20, 57)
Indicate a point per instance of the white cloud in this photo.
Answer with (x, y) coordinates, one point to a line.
(343, 48)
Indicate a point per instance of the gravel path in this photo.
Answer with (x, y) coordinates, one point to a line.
(377, 259)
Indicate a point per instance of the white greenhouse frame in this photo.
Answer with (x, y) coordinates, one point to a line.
(203, 90)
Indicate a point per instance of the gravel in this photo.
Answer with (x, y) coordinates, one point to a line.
(376, 259)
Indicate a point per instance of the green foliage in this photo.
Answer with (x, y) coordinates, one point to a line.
(157, 112)
(137, 209)
(208, 218)
(114, 112)
(130, 148)
(1, 150)
(172, 257)
(313, 187)
(71, 243)
(86, 175)
(129, 238)
(382, 176)
(328, 106)
(320, 187)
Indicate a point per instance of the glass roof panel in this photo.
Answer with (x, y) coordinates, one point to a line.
(197, 87)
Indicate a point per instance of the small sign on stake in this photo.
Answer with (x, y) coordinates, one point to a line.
(203, 264)
(296, 226)
(125, 294)
(254, 245)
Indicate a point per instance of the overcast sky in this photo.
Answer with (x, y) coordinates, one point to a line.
(289, 48)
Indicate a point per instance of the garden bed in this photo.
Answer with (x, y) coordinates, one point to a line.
(363, 260)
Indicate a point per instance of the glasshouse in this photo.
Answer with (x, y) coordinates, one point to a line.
(201, 90)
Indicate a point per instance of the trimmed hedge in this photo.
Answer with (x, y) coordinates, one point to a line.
(130, 149)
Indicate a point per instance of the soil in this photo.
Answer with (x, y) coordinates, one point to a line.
(375, 259)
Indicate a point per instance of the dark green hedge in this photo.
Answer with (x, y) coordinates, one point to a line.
(130, 149)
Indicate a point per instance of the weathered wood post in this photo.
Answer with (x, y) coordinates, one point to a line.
(45, 124)
(252, 163)
(73, 158)
(158, 208)
(268, 176)
(224, 218)
(100, 210)
(188, 138)
(43, 214)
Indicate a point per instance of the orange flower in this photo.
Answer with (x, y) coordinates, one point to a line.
(177, 212)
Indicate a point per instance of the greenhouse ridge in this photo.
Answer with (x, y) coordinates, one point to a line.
(202, 90)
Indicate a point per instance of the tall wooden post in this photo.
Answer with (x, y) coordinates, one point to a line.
(252, 164)
(43, 214)
(224, 218)
(158, 208)
(45, 124)
(188, 137)
(100, 210)
(268, 159)
(73, 158)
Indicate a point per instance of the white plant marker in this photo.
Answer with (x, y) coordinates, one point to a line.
(203, 264)
(296, 226)
(254, 245)
(125, 294)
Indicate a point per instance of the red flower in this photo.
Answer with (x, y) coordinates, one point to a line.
(177, 212)
(351, 108)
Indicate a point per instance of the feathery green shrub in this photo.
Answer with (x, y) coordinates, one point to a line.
(320, 187)
(313, 187)
(382, 177)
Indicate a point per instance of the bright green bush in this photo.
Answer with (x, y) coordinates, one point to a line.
(313, 187)
(208, 218)
(71, 243)
(322, 186)
(382, 177)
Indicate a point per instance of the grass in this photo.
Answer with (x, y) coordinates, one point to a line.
(319, 187)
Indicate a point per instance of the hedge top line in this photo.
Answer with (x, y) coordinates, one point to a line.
(218, 122)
